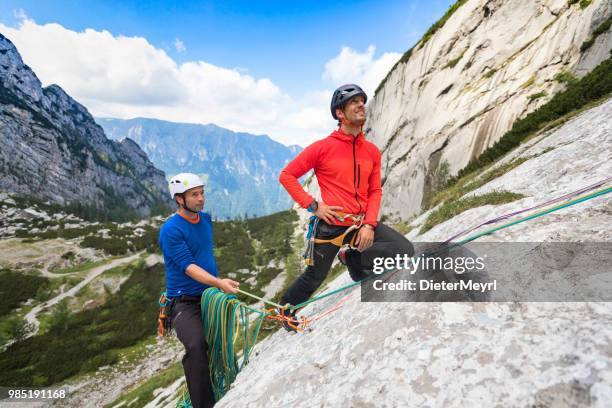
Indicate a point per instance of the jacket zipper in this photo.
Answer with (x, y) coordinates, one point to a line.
(355, 174)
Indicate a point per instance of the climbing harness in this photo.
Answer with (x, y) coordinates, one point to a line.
(312, 240)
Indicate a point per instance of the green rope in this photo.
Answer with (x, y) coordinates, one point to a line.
(225, 322)
(259, 298)
(184, 401)
(538, 214)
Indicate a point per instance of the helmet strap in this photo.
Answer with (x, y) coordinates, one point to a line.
(185, 204)
(350, 125)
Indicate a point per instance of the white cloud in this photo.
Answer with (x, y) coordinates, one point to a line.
(125, 77)
(364, 69)
(179, 45)
(20, 14)
(95, 65)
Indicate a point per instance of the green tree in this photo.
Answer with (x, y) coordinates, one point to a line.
(61, 314)
(136, 294)
(18, 328)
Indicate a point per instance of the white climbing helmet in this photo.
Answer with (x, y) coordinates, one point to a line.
(183, 182)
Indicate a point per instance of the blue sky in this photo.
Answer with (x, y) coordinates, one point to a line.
(280, 48)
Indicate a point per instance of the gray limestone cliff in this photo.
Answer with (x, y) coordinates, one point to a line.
(52, 149)
(460, 89)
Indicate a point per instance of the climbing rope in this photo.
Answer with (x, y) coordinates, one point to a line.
(184, 400)
(225, 321)
(535, 207)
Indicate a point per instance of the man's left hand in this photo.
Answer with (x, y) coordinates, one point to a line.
(365, 238)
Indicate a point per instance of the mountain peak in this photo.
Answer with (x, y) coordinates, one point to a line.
(51, 148)
(15, 76)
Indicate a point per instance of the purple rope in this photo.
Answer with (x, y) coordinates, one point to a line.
(535, 207)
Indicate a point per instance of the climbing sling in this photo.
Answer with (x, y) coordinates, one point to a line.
(163, 319)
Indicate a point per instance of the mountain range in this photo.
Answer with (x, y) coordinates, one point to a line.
(240, 169)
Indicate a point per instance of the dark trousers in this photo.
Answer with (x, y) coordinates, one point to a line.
(187, 322)
(387, 243)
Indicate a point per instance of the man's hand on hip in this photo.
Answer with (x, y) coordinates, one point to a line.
(365, 238)
(327, 212)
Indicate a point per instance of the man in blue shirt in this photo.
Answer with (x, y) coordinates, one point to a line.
(186, 240)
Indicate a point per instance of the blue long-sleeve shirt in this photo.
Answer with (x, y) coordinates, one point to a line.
(184, 243)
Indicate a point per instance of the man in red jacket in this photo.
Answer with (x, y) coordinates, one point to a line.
(348, 173)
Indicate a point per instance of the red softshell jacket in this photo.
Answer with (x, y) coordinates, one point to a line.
(348, 173)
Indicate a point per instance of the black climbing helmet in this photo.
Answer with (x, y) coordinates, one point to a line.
(343, 94)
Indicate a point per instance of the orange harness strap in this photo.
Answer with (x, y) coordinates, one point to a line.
(339, 240)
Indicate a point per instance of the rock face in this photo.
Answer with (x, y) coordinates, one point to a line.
(491, 63)
(241, 169)
(532, 354)
(586, 144)
(52, 149)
